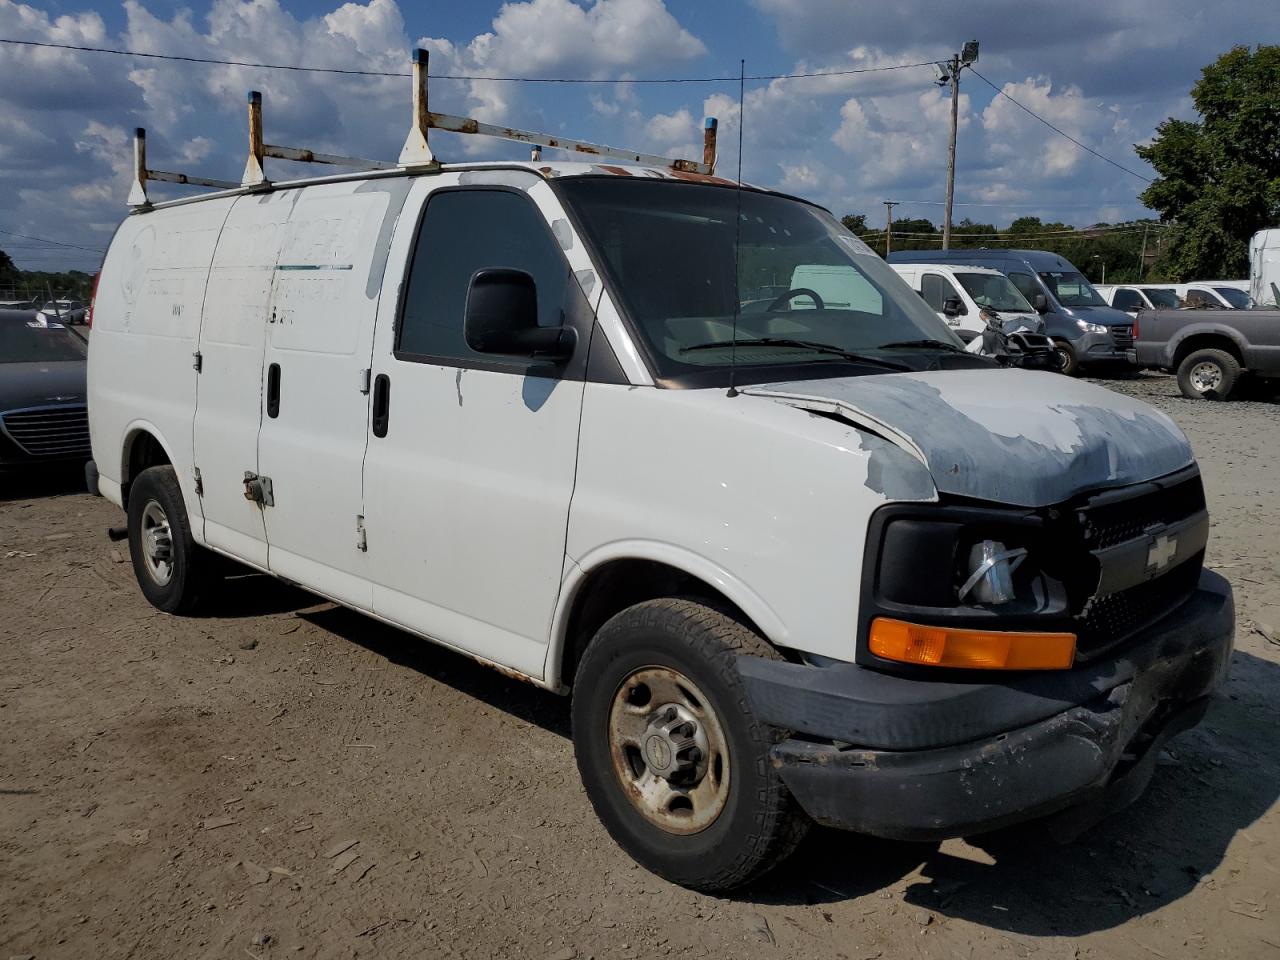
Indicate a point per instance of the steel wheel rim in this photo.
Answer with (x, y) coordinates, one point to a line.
(1206, 376)
(157, 543)
(676, 778)
(1067, 358)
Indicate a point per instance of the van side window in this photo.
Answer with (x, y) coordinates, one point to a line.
(1027, 285)
(1128, 300)
(935, 289)
(464, 231)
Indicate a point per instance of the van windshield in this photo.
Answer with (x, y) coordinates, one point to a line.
(994, 291)
(806, 289)
(1238, 299)
(1071, 289)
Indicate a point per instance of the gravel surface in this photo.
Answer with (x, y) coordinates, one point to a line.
(292, 779)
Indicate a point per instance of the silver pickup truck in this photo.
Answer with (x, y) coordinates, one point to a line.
(1209, 350)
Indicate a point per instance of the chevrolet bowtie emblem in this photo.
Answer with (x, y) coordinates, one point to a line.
(1163, 549)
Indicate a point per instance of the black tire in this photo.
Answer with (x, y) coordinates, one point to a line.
(1208, 375)
(191, 571)
(759, 823)
(1068, 362)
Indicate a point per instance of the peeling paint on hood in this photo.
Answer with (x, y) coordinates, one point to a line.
(1007, 436)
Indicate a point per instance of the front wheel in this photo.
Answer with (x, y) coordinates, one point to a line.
(1208, 375)
(1068, 362)
(174, 573)
(672, 759)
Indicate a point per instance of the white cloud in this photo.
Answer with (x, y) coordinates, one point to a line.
(671, 128)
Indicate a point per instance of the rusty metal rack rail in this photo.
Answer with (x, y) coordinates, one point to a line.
(416, 155)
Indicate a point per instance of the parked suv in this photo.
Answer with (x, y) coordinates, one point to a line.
(1085, 330)
(804, 562)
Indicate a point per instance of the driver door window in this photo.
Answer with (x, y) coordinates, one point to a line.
(936, 290)
(1128, 300)
(464, 231)
(1027, 285)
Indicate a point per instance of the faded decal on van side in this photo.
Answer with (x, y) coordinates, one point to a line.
(396, 189)
(520, 179)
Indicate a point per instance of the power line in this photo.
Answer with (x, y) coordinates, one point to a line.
(56, 243)
(445, 76)
(989, 203)
(1060, 132)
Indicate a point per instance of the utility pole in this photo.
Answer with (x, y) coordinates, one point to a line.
(1142, 255)
(949, 73)
(888, 226)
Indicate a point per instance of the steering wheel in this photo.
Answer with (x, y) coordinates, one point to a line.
(797, 292)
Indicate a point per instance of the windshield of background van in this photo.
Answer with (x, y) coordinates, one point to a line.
(994, 291)
(669, 250)
(1237, 298)
(1071, 289)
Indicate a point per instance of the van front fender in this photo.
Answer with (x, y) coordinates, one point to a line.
(579, 572)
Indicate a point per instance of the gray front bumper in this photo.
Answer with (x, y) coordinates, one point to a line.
(920, 759)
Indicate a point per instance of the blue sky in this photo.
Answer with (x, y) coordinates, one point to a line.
(1107, 74)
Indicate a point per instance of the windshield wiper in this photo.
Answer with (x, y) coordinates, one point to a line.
(926, 344)
(802, 344)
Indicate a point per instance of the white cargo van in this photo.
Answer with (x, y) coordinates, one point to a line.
(808, 563)
(961, 295)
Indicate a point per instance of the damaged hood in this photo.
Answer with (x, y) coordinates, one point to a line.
(1008, 436)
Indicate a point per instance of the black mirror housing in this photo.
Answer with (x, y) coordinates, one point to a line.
(501, 317)
(952, 307)
(1040, 303)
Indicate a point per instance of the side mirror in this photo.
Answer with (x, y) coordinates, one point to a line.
(1040, 303)
(501, 316)
(952, 307)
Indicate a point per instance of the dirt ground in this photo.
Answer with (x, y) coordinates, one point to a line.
(291, 779)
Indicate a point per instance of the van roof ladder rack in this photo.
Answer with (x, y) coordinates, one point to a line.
(416, 153)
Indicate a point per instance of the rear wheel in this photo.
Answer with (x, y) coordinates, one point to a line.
(671, 757)
(173, 572)
(1208, 375)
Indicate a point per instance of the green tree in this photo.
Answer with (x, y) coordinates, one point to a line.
(1219, 177)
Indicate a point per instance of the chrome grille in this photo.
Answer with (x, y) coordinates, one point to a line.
(49, 432)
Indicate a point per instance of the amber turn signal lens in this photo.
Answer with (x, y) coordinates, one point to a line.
(971, 649)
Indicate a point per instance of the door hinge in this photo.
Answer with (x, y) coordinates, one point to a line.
(199, 482)
(362, 542)
(366, 376)
(258, 489)
(197, 361)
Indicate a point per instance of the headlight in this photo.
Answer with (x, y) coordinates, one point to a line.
(1091, 327)
(991, 567)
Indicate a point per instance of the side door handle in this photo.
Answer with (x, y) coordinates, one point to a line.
(381, 404)
(273, 391)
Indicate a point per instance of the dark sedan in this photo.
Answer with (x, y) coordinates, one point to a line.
(43, 416)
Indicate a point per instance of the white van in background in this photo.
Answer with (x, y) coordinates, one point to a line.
(1134, 297)
(959, 295)
(1206, 294)
(1264, 268)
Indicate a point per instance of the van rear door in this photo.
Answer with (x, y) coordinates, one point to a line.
(315, 382)
(229, 387)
